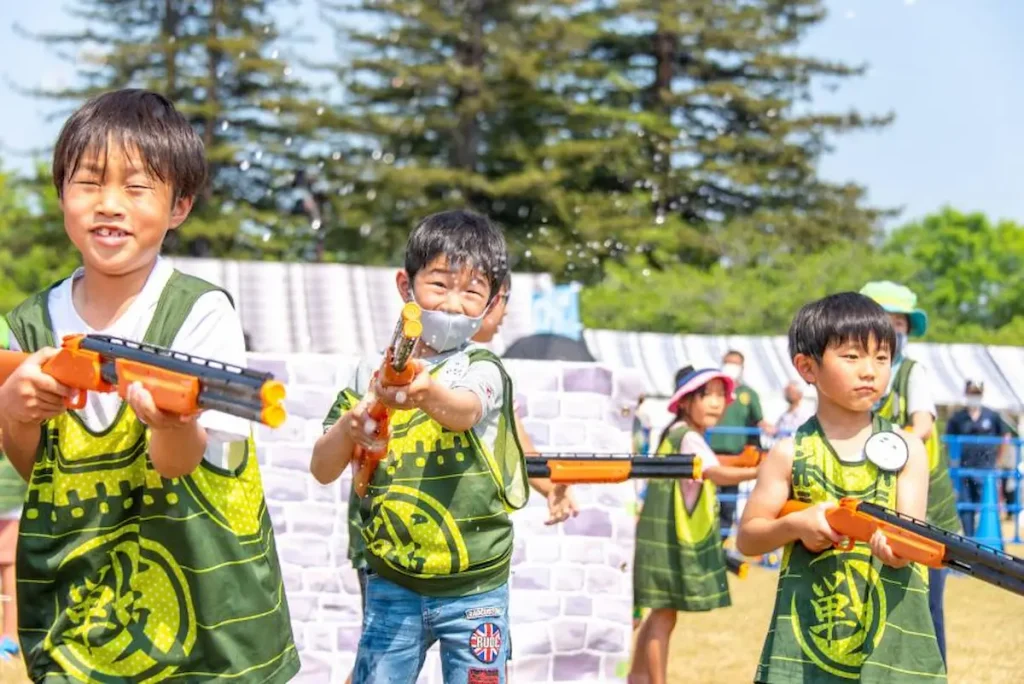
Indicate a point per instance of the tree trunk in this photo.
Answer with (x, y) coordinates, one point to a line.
(470, 54)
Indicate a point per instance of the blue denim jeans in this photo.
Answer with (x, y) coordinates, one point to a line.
(399, 626)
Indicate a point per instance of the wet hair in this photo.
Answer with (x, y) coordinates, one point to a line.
(838, 319)
(139, 121)
(466, 239)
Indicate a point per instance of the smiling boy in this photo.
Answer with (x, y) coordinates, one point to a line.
(436, 517)
(145, 551)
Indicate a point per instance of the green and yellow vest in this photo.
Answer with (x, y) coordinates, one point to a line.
(679, 561)
(437, 521)
(126, 576)
(941, 498)
(843, 616)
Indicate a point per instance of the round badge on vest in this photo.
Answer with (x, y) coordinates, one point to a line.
(888, 451)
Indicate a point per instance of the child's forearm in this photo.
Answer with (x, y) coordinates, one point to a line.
(724, 476)
(177, 451)
(456, 409)
(332, 453)
(20, 444)
(761, 535)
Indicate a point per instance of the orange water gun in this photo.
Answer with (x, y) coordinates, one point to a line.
(179, 383)
(588, 468)
(750, 457)
(398, 368)
(917, 541)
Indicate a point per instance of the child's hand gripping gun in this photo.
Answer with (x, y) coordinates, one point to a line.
(920, 542)
(398, 368)
(179, 383)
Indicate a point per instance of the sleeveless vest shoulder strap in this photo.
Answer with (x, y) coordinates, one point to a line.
(29, 322)
(175, 303)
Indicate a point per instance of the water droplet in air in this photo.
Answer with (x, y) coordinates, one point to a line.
(316, 223)
(275, 53)
(244, 165)
(224, 125)
(365, 229)
(319, 111)
(646, 272)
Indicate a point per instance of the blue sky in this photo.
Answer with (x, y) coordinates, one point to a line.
(945, 67)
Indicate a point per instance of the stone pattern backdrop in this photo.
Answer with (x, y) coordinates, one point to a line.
(571, 587)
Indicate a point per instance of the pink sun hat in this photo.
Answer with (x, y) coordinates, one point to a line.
(693, 381)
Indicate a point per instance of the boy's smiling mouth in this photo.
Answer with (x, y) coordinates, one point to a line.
(109, 236)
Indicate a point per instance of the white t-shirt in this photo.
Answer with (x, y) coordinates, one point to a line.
(920, 398)
(212, 330)
(694, 443)
(482, 378)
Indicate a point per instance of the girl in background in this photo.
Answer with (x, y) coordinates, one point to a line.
(679, 562)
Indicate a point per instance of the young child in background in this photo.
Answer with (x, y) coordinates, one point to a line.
(842, 615)
(436, 525)
(145, 550)
(679, 562)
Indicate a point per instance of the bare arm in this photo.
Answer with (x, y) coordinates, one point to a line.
(456, 409)
(724, 476)
(912, 482)
(332, 451)
(177, 450)
(21, 442)
(921, 424)
(761, 529)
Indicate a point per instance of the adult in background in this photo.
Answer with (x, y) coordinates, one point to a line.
(796, 413)
(909, 403)
(744, 412)
(976, 420)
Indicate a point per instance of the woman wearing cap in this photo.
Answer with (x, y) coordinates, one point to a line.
(909, 402)
(679, 563)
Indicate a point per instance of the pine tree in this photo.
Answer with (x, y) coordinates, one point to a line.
(670, 129)
(732, 144)
(220, 62)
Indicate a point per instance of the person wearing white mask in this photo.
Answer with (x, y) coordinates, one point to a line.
(976, 420)
(744, 412)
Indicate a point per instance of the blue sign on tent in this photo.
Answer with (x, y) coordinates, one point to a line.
(557, 310)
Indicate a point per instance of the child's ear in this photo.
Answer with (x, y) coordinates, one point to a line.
(404, 285)
(180, 211)
(806, 367)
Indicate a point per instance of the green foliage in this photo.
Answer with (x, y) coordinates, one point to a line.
(675, 130)
(32, 239)
(965, 270)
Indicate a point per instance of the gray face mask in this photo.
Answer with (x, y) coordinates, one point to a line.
(443, 331)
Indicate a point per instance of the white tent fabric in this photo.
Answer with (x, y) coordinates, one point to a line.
(342, 309)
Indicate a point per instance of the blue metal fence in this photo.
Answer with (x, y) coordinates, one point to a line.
(999, 479)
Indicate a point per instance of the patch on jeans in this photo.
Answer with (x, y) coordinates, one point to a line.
(485, 642)
(483, 676)
(477, 613)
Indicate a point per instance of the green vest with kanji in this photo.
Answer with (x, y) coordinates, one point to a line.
(941, 498)
(124, 575)
(843, 616)
(679, 561)
(437, 520)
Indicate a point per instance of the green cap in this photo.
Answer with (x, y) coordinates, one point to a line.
(898, 299)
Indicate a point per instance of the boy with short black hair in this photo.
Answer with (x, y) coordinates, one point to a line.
(841, 614)
(435, 520)
(145, 550)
